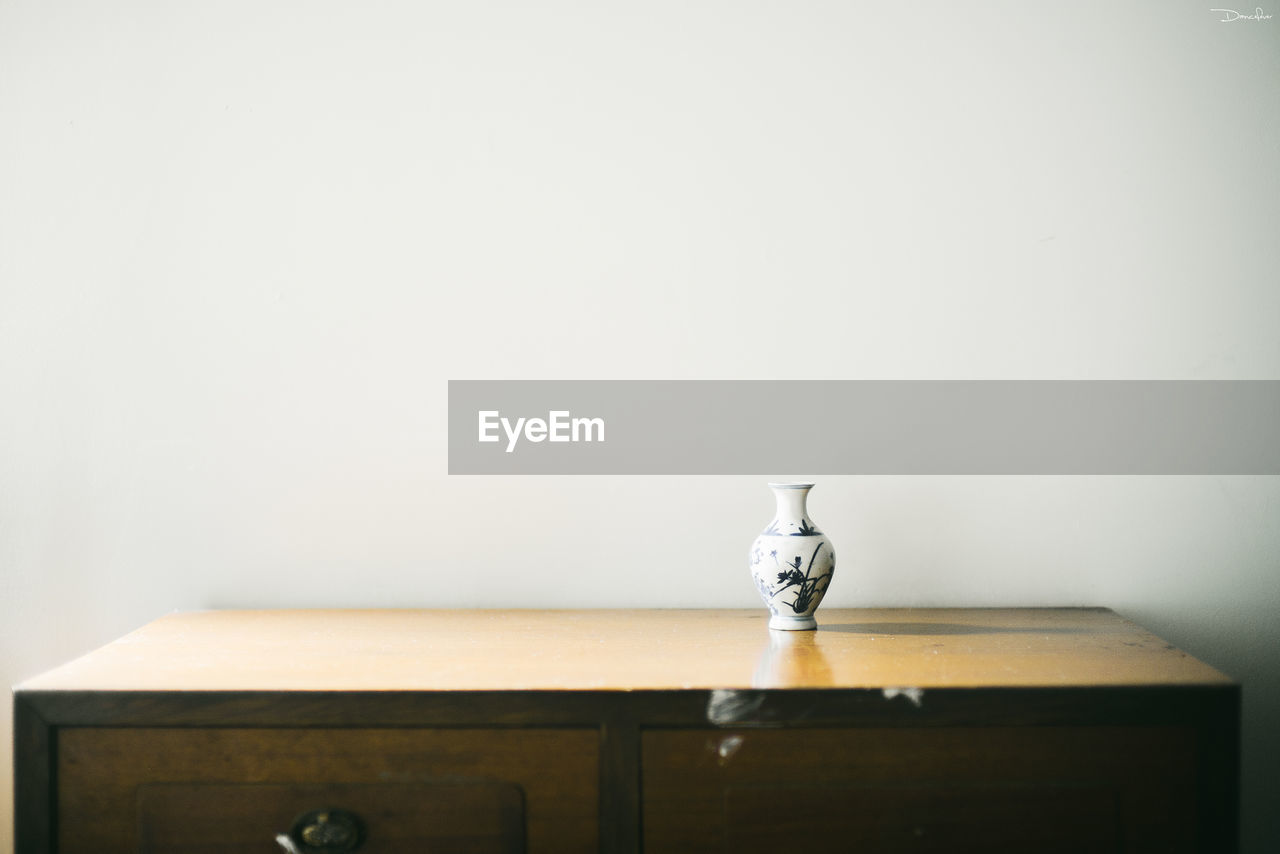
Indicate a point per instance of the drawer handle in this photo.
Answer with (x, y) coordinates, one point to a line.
(327, 831)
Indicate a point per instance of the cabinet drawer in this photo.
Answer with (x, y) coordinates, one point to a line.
(373, 818)
(229, 790)
(1042, 789)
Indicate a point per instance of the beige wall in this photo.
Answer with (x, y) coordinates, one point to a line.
(243, 246)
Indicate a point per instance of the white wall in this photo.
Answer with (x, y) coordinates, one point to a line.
(244, 245)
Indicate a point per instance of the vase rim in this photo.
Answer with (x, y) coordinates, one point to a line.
(791, 486)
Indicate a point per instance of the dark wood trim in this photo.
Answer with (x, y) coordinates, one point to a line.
(34, 783)
(1218, 776)
(620, 784)
(1146, 706)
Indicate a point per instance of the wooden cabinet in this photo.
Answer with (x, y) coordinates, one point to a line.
(492, 731)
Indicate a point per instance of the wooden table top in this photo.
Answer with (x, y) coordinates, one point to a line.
(439, 650)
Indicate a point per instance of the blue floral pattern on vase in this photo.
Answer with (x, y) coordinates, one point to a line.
(791, 578)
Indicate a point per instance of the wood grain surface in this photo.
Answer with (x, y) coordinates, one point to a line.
(511, 650)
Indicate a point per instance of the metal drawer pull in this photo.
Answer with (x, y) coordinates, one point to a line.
(324, 831)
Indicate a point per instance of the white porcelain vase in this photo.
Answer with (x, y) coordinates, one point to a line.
(792, 561)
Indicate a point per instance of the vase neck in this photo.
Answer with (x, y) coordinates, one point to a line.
(792, 502)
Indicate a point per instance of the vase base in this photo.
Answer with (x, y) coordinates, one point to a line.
(792, 624)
